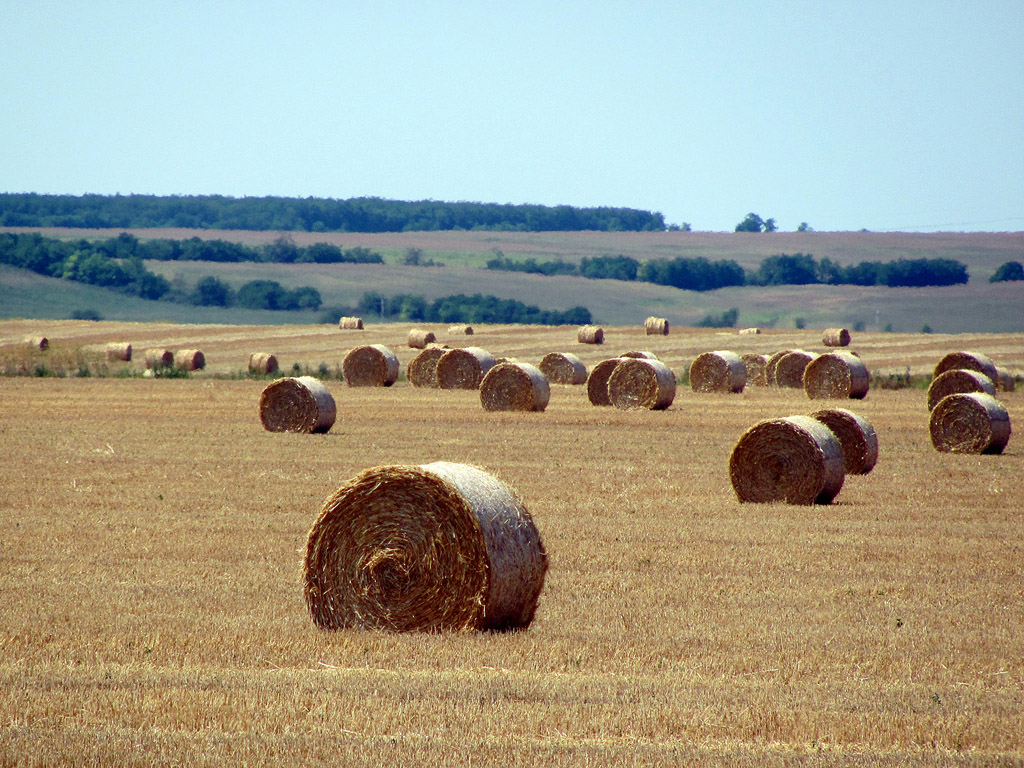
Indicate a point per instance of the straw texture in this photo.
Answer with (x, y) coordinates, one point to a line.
(118, 351)
(460, 330)
(422, 369)
(262, 363)
(641, 354)
(836, 375)
(189, 359)
(795, 459)
(958, 381)
(748, 331)
(636, 384)
(418, 338)
(590, 334)
(463, 368)
(37, 342)
(720, 371)
(597, 381)
(789, 371)
(351, 323)
(371, 365)
(514, 387)
(856, 436)
(971, 361)
(159, 358)
(836, 337)
(300, 404)
(773, 364)
(969, 423)
(438, 547)
(756, 366)
(563, 368)
(656, 326)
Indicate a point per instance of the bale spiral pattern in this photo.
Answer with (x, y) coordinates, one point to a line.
(300, 404)
(720, 371)
(463, 368)
(836, 375)
(514, 387)
(372, 365)
(563, 368)
(636, 383)
(969, 423)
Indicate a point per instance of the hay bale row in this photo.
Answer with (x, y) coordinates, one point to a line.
(189, 360)
(720, 371)
(971, 361)
(641, 384)
(656, 326)
(371, 365)
(351, 323)
(418, 338)
(437, 547)
(563, 368)
(118, 351)
(262, 363)
(422, 369)
(159, 358)
(958, 381)
(836, 337)
(300, 404)
(756, 366)
(514, 387)
(836, 375)
(973, 422)
(856, 436)
(463, 368)
(789, 370)
(460, 330)
(590, 334)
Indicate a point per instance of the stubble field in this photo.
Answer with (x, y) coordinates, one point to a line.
(150, 563)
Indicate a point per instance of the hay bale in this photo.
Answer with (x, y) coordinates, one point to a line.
(796, 459)
(641, 355)
(636, 383)
(189, 360)
(118, 351)
(262, 363)
(590, 334)
(956, 382)
(856, 436)
(300, 404)
(1006, 381)
(37, 342)
(972, 422)
(418, 338)
(836, 337)
(772, 364)
(749, 331)
(438, 547)
(422, 369)
(351, 323)
(514, 387)
(838, 375)
(756, 366)
(371, 365)
(721, 371)
(460, 330)
(597, 381)
(656, 326)
(159, 358)
(563, 368)
(789, 371)
(971, 361)
(463, 368)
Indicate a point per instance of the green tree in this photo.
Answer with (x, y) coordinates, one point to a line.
(211, 292)
(1011, 270)
(752, 223)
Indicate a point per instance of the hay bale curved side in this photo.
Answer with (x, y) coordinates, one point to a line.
(563, 368)
(463, 368)
(856, 436)
(422, 369)
(720, 371)
(641, 384)
(351, 323)
(1006, 381)
(597, 381)
(514, 387)
(836, 337)
(437, 547)
(301, 404)
(756, 366)
(789, 371)
(773, 364)
(836, 375)
(795, 459)
(189, 359)
(262, 363)
(590, 334)
(642, 354)
(159, 358)
(958, 381)
(371, 365)
(418, 338)
(118, 351)
(656, 326)
(973, 422)
(971, 361)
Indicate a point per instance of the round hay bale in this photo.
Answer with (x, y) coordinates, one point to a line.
(159, 358)
(351, 323)
(1006, 381)
(973, 422)
(372, 365)
(590, 334)
(418, 338)
(720, 371)
(656, 326)
(956, 382)
(460, 330)
(189, 360)
(422, 369)
(300, 404)
(463, 368)
(756, 366)
(789, 371)
(563, 368)
(749, 331)
(772, 364)
(795, 459)
(118, 351)
(262, 363)
(856, 436)
(37, 342)
(636, 383)
(836, 374)
(971, 361)
(438, 547)
(641, 355)
(597, 381)
(836, 337)
(514, 387)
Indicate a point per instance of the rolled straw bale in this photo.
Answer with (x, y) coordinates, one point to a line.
(37, 342)
(514, 387)
(796, 459)
(262, 363)
(973, 422)
(748, 331)
(463, 368)
(119, 351)
(371, 365)
(772, 364)
(597, 381)
(789, 371)
(958, 381)
(563, 368)
(836, 337)
(720, 371)
(971, 361)
(590, 334)
(437, 547)
(856, 436)
(641, 354)
(1006, 381)
(159, 358)
(300, 404)
(636, 383)
(351, 324)
(460, 330)
(189, 359)
(836, 374)
(418, 338)
(756, 365)
(422, 369)
(656, 326)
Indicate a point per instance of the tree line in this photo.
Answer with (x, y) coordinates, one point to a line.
(459, 308)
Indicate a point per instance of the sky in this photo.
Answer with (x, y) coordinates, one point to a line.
(887, 116)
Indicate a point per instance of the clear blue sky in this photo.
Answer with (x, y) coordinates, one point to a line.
(881, 115)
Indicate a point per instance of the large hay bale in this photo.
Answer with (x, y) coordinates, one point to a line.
(1006, 381)
(720, 371)
(118, 351)
(37, 342)
(262, 363)
(772, 364)
(656, 326)
(514, 387)
(969, 423)
(463, 368)
(837, 375)
(640, 354)
(958, 381)
(748, 331)
(756, 366)
(351, 323)
(460, 330)
(590, 334)
(563, 368)
(418, 338)
(856, 436)
(189, 360)
(597, 381)
(159, 358)
(636, 383)
(796, 459)
(836, 337)
(422, 369)
(301, 404)
(371, 365)
(438, 547)
(789, 371)
(971, 361)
